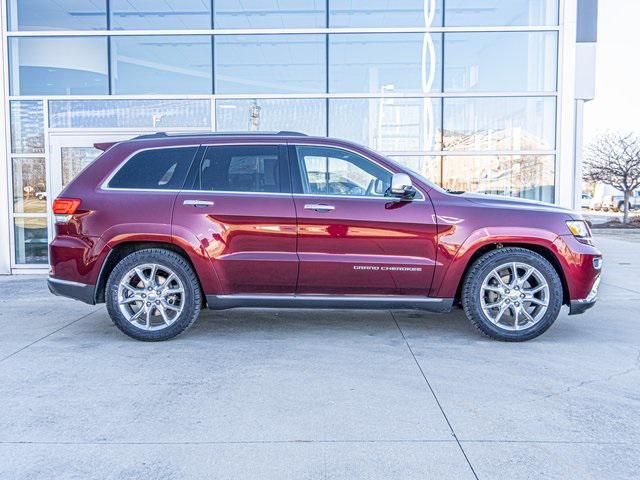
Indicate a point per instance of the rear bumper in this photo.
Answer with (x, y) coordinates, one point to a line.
(78, 291)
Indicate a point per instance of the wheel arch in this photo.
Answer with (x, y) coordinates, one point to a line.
(122, 249)
(541, 250)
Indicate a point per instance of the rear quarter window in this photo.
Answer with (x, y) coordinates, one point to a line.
(155, 169)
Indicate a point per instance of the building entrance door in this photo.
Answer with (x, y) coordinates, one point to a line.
(70, 153)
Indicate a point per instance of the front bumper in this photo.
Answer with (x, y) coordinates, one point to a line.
(78, 291)
(577, 307)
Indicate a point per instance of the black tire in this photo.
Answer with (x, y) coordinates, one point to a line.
(483, 266)
(192, 299)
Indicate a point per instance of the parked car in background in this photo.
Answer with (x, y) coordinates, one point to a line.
(607, 198)
(163, 225)
(586, 200)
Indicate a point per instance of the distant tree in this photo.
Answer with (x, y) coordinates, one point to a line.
(614, 159)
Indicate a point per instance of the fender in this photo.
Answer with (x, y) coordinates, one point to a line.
(454, 257)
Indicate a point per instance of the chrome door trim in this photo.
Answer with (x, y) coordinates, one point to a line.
(319, 207)
(198, 203)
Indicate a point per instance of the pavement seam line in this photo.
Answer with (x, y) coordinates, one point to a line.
(434, 395)
(47, 335)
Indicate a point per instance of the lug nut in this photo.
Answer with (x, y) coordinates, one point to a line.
(516, 288)
(144, 295)
(148, 304)
(506, 290)
(522, 295)
(157, 302)
(517, 304)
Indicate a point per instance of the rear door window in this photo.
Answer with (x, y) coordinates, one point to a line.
(242, 168)
(155, 169)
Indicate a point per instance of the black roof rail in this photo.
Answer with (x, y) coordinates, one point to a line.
(284, 133)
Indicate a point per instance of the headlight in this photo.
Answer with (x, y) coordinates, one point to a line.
(579, 228)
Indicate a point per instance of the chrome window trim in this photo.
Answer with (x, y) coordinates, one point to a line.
(360, 154)
(105, 184)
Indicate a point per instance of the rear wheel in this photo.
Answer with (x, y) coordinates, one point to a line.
(153, 295)
(512, 294)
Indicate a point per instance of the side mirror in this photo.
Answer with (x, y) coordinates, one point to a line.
(401, 186)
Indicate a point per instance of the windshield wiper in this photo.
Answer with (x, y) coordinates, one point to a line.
(454, 192)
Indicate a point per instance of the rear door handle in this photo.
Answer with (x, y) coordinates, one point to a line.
(198, 203)
(318, 207)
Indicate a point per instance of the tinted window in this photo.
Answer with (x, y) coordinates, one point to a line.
(165, 15)
(387, 63)
(58, 66)
(241, 168)
(500, 61)
(162, 168)
(497, 12)
(185, 66)
(307, 115)
(269, 13)
(57, 15)
(270, 63)
(332, 171)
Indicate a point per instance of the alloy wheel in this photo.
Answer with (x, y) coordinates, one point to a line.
(514, 296)
(151, 296)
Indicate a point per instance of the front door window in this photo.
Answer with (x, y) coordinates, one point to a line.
(332, 171)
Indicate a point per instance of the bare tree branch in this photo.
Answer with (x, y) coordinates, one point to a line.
(614, 159)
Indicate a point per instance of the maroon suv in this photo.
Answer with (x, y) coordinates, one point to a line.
(162, 225)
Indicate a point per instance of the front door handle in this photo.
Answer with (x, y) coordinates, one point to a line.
(198, 203)
(318, 207)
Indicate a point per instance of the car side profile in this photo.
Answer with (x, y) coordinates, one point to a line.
(160, 226)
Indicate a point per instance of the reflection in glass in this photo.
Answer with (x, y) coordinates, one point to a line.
(387, 124)
(301, 115)
(27, 126)
(427, 166)
(524, 176)
(29, 185)
(74, 159)
(164, 15)
(497, 12)
(269, 13)
(385, 63)
(161, 64)
(513, 123)
(58, 65)
(30, 235)
(129, 113)
(500, 62)
(270, 63)
(385, 13)
(57, 15)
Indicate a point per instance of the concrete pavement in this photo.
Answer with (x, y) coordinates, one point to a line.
(321, 394)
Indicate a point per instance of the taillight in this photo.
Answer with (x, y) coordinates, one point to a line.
(63, 208)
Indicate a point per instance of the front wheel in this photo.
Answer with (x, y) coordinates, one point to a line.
(153, 295)
(512, 294)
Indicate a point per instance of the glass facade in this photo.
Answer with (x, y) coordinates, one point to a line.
(463, 92)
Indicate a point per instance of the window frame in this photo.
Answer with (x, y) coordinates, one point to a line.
(296, 175)
(105, 184)
(190, 185)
